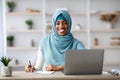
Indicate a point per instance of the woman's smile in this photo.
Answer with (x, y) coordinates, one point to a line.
(61, 30)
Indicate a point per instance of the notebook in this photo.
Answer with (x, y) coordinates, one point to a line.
(83, 62)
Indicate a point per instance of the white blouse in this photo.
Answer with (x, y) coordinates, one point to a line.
(40, 61)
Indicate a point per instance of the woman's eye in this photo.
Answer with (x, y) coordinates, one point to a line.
(57, 23)
(65, 22)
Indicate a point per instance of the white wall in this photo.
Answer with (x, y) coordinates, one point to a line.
(1, 30)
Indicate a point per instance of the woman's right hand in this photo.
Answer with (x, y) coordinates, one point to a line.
(29, 68)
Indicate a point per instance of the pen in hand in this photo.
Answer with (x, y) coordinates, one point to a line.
(30, 64)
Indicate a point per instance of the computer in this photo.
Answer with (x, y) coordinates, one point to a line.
(83, 62)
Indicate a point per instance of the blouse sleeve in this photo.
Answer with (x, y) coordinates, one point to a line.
(39, 61)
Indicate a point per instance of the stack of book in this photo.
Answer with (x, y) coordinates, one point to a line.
(115, 41)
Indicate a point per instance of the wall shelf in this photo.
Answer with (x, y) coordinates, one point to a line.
(22, 48)
(112, 13)
(81, 30)
(17, 66)
(106, 47)
(84, 14)
(105, 30)
(24, 31)
(24, 13)
(102, 13)
(73, 14)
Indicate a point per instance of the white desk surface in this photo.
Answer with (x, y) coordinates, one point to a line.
(21, 75)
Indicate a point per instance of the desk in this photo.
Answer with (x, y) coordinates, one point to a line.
(21, 75)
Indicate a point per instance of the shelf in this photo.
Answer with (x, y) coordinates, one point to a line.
(106, 47)
(74, 14)
(81, 30)
(24, 31)
(112, 13)
(17, 66)
(105, 30)
(23, 13)
(84, 14)
(22, 48)
(107, 13)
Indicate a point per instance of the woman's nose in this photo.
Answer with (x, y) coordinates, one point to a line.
(61, 25)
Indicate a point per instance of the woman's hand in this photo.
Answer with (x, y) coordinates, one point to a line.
(52, 67)
(29, 68)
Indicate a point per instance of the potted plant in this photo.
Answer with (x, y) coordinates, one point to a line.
(110, 19)
(11, 5)
(10, 39)
(6, 71)
(29, 22)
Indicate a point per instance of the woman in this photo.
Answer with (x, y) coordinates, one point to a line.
(52, 49)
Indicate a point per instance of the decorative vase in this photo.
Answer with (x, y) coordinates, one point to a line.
(6, 71)
(95, 42)
(78, 27)
(108, 25)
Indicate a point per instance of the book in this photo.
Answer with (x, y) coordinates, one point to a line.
(44, 72)
(116, 70)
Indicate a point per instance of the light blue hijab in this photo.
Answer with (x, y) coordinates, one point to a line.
(54, 46)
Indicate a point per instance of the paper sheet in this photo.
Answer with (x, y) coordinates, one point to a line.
(44, 72)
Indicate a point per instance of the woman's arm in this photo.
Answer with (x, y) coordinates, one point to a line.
(39, 61)
(52, 67)
(38, 65)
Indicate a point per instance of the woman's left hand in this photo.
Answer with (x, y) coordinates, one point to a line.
(52, 67)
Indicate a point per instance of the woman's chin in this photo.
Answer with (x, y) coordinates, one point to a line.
(61, 34)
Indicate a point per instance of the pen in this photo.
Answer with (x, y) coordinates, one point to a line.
(30, 64)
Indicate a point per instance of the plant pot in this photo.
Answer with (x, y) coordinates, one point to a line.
(6, 71)
(30, 27)
(9, 43)
(11, 10)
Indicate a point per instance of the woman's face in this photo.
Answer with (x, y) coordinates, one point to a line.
(61, 27)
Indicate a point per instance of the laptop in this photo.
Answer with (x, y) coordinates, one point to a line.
(83, 62)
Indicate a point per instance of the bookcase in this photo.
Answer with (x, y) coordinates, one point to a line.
(86, 26)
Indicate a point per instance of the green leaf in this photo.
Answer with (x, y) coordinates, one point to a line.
(5, 60)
